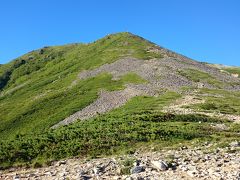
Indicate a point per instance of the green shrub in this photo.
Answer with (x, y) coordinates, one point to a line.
(105, 135)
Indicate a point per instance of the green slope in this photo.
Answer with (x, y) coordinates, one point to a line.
(124, 130)
(35, 87)
(233, 70)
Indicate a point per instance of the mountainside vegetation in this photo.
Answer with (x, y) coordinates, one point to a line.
(122, 131)
(36, 88)
(44, 87)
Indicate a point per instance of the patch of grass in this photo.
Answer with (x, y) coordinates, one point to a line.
(209, 106)
(199, 76)
(126, 165)
(147, 104)
(133, 77)
(222, 101)
(235, 128)
(233, 70)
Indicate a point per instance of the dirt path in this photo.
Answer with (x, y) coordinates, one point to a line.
(178, 108)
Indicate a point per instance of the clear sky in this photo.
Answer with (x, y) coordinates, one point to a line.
(205, 30)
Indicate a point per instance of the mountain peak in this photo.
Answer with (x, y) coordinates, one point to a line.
(125, 36)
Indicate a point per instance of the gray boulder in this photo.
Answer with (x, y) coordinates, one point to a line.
(137, 169)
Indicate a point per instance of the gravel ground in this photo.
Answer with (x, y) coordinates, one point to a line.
(183, 163)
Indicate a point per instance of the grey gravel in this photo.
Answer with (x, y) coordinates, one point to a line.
(160, 74)
(190, 163)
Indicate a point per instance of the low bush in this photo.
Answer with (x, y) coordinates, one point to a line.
(104, 135)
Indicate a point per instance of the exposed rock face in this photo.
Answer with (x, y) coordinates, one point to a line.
(160, 74)
(184, 163)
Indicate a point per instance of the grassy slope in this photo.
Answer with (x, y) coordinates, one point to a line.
(227, 103)
(121, 131)
(37, 96)
(199, 76)
(233, 70)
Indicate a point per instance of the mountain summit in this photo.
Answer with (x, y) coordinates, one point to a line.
(81, 99)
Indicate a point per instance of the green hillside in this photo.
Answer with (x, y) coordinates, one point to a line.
(36, 89)
(43, 87)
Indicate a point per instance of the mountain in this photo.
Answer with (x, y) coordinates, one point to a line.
(110, 96)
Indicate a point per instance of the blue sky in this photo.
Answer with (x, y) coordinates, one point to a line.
(205, 30)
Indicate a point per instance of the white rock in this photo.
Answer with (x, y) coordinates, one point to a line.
(160, 165)
(235, 144)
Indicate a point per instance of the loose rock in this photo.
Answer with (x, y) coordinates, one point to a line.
(160, 165)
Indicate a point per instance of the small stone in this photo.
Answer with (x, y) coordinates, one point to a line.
(206, 143)
(219, 164)
(128, 178)
(183, 168)
(197, 160)
(98, 170)
(173, 166)
(137, 163)
(31, 175)
(211, 171)
(47, 174)
(225, 160)
(61, 163)
(83, 177)
(160, 165)
(217, 151)
(183, 148)
(235, 144)
(207, 157)
(217, 174)
(137, 169)
(192, 173)
(17, 177)
(238, 175)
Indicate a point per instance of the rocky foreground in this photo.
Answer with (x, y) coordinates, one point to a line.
(204, 162)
